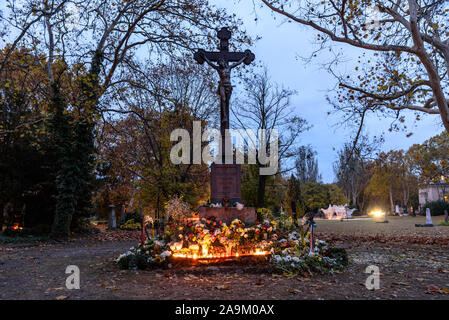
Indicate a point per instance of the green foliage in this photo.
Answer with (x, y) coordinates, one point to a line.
(68, 171)
(431, 158)
(133, 215)
(274, 188)
(315, 196)
(336, 194)
(436, 207)
(265, 214)
(131, 225)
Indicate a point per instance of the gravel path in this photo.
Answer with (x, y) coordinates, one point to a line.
(38, 272)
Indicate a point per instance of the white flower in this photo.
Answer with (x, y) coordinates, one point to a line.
(159, 243)
(165, 254)
(296, 259)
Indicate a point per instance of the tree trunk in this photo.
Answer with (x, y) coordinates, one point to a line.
(391, 200)
(1, 219)
(354, 200)
(261, 191)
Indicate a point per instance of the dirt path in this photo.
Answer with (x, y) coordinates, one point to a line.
(38, 272)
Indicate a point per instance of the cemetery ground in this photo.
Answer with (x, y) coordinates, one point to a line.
(413, 262)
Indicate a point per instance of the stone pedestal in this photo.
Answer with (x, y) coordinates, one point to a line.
(228, 214)
(225, 183)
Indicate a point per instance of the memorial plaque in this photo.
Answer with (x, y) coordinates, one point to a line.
(225, 183)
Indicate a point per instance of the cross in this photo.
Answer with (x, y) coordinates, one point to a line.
(220, 61)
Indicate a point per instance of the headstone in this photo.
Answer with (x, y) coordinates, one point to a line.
(397, 209)
(225, 183)
(428, 217)
(112, 223)
(446, 216)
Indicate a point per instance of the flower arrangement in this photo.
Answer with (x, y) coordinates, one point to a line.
(291, 255)
(151, 253)
(288, 247)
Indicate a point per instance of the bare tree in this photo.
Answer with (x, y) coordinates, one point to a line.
(352, 169)
(407, 52)
(267, 106)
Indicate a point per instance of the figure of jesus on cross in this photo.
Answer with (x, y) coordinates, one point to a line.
(223, 67)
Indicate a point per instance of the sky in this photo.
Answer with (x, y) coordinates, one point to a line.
(278, 50)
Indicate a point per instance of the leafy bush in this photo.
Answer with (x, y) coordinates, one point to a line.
(436, 207)
(265, 214)
(133, 215)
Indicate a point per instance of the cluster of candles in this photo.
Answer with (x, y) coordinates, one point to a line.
(195, 253)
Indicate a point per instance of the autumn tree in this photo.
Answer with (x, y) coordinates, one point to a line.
(136, 146)
(27, 168)
(404, 63)
(430, 161)
(104, 36)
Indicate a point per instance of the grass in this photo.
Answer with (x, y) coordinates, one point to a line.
(395, 226)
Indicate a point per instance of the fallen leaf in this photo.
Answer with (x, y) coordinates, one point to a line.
(294, 291)
(61, 297)
(223, 287)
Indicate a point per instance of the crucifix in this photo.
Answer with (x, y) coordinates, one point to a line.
(224, 61)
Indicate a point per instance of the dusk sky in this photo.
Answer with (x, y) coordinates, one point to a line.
(278, 50)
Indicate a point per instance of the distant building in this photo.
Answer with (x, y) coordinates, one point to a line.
(433, 192)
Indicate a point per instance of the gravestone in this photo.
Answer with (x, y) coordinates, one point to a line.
(428, 217)
(112, 222)
(225, 183)
(446, 216)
